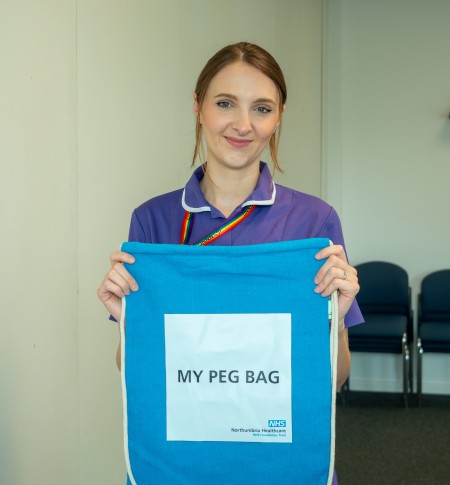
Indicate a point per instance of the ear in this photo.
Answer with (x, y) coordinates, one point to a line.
(197, 108)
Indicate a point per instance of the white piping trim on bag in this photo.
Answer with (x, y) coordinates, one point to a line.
(124, 392)
(334, 338)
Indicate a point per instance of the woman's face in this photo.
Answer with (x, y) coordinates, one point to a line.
(239, 114)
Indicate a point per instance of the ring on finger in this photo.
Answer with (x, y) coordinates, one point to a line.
(345, 275)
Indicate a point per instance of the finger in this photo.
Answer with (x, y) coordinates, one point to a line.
(121, 257)
(334, 249)
(123, 278)
(346, 296)
(334, 261)
(333, 276)
(347, 288)
(109, 289)
(116, 278)
(111, 296)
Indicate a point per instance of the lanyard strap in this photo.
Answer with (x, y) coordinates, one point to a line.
(186, 227)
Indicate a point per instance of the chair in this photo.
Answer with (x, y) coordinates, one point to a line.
(433, 331)
(385, 301)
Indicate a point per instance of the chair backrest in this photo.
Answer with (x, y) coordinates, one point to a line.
(435, 296)
(384, 288)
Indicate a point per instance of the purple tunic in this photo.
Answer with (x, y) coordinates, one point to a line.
(282, 214)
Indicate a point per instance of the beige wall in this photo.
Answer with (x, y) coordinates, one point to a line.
(388, 149)
(38, 187)
(137, 68)
(96, 117)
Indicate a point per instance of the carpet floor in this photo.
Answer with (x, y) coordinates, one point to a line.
(380, 442)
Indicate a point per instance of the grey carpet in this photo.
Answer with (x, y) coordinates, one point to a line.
(379, 442)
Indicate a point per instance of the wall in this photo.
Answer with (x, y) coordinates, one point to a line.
(137, 68)
(95, 117)
(388, 146)
(38, 213)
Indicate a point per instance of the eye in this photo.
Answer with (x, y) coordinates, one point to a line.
(263, 109)
(224, 104)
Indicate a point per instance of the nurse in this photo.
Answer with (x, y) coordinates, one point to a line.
(231, 199)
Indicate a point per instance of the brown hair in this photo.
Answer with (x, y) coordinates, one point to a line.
(255, 56)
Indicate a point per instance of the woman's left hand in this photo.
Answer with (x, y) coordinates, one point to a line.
(337, 274)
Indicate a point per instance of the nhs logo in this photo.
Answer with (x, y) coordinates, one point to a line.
(277, 423)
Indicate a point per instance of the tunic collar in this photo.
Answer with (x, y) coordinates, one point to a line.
(193, 199)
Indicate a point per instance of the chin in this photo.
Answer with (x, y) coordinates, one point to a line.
(241, 163)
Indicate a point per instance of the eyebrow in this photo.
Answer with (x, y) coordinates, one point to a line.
(234, 98)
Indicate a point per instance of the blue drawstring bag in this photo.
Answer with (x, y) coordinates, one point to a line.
(228, 365)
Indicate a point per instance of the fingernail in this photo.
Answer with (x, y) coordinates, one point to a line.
(316, 280)
(135, 287)
(316, 289)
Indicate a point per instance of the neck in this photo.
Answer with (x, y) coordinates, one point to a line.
(227, 189)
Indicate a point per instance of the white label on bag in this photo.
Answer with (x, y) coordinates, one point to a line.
(228, 377)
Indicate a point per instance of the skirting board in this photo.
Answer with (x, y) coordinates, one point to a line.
(383, 373)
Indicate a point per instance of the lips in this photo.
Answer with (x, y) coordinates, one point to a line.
(237, 142)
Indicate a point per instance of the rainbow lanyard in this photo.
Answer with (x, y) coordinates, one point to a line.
(186, 227)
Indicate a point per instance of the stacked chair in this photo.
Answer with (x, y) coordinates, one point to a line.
(433, 333)
(385, 301)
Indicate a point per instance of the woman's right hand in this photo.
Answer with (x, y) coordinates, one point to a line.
(117, 283)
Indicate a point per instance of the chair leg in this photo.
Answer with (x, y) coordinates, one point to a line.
(406, 364)
(344, 390)
(419, 370)
(411, 361)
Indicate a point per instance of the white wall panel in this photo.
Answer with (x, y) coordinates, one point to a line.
(388, 134)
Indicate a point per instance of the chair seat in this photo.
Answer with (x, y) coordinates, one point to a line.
(380, 333)
(435, 336)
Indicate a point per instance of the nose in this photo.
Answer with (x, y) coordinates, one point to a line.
(242, 122)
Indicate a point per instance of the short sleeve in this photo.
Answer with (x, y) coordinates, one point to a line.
(332, 230)
(136, 232)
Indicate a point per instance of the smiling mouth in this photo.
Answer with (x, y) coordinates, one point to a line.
(237, 142)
